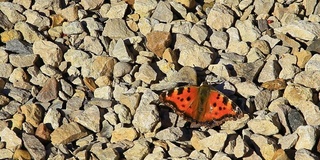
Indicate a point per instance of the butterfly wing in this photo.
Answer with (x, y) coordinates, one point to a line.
(220, 108)
(183, 100)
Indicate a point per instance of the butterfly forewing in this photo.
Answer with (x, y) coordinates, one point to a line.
(183, 100)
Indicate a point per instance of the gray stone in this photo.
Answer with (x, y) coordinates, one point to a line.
(12, 141)
(121, 52)
(185, 75)
(116, 28)
(295, 119)
(220, 17)
(52, 118)
(17, 94)
(181, 27)
(76, 57)
(121, 69)
(170, 134)
(92, 44)
(116, 10)
(94, 27)
(90, 118)
(301, 29)
(265, 124)
(307, 137)
(123, 113)
(199, 33)
(146, 73)
(5, 70)
(179, 8)
(262, 99)
(314, 63)
(50, 52)
(288, 141)
(263, 6)
(19, 46)
(248, 31)
(23, 60)
(163, 12)
(247, 89)
(28, 33)
(37, 77)
(34, 146)
(270, 71)
(219, 39)
(146, 118)
(310, 111)
(71, 28)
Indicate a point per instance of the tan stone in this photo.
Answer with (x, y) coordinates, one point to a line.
(120, 134)
(33, 113)
(158, 41)
(9, 35)
(67, 133)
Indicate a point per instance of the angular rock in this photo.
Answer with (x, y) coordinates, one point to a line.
(264, 146)
(34, 146)
(139, 150)
(220, 17)
(215, 141)
(89, 5)
(50, 52)
(263, 7)
(144, 7)
(295, 94)
(116, 28)
(265, 124)
(146, 118)
(295, 119)
(92, 44)
(90, 118)
(33, 113)
(67, 133)
(288, 141)
(184, 75)
(19, 46)
(247, 89)
(116, 10)
(121, 52)
(176, 151)
(52, 118)
(262, 99)
(28, 33)
(307, 137)
(163, 12)
(247, 30)
(121, 68)
(199, 33)
(5, 70)
(310, 111)
(23, 60)
(49, 91)
(146, 73)
(308, 79)
(305, 154)
(11, 139)
(301, 29)
(313, 64)
(170, 134)
(303, 57)
(120, 134)
(158, 41)
(270, 71)
(98, 66)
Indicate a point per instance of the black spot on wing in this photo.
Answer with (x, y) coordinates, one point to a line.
(170, 93)
(181, 100)
(214, 104)
(188, 98)
(188, 90)
(180, 90)
(225, 100)
(218, 97)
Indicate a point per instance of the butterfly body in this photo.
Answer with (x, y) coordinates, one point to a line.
(204, 105)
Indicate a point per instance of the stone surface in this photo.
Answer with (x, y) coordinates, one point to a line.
(67, 133)
(158, 41)
(265, 124)
(266, 147)
(48, 51)
(90, 118)
(49, 91)
(146, 73)
(33, 113)
(307, 137)
(34, 146)
(11, 139)
(120, 134)
(117, 29)
(220, 17)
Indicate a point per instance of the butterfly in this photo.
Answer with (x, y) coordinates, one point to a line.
(202, 105)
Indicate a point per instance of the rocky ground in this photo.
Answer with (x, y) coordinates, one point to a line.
(80, 79)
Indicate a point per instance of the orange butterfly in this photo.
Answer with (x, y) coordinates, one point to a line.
(203, 105)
